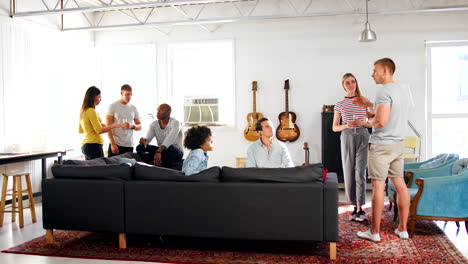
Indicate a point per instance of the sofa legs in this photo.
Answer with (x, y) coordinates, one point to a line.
(332, 250)
(49, 236)
(122, 241)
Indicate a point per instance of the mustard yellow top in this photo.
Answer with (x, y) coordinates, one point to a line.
(90, 125)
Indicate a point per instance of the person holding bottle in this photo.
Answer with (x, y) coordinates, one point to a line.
(92, 126)
(354, 143)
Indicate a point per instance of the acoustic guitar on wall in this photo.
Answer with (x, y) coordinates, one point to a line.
(307, 153)
(249, 132)
(287, 129)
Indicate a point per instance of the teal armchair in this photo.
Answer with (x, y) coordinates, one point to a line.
(445, 170)
(441, 198)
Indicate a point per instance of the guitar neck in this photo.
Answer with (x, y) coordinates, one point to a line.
(254, 102)
(286, 89)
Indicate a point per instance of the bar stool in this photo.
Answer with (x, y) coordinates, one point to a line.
(16, 194)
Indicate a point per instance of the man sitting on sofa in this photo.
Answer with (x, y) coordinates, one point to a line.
(168, 134)
(267, 152)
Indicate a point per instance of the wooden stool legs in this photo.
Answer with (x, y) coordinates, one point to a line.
(17, 198)
(31, 198)
(3, 198)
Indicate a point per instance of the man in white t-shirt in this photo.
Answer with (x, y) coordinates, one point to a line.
(121, 111)
(168, 133)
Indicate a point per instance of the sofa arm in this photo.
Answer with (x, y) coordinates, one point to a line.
(330, 208)
(86, 205)
(442, 196)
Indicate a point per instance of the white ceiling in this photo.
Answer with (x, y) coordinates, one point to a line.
(111, 14)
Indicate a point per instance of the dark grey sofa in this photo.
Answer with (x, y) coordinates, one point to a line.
(263, 204)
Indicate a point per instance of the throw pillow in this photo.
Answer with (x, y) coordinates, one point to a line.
(108, 171)
(128, 157)
(149, 172)
(308, 173)
(460, 166)
(435, 163)
(93, 162)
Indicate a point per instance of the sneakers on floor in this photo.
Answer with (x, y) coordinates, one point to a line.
(361, 216)
(402, 234)
(369, 236)
(353, 216)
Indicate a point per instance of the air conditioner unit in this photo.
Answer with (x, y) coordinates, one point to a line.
(201, 110)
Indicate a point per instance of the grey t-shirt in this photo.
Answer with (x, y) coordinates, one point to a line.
(123, 137)
(394, 131)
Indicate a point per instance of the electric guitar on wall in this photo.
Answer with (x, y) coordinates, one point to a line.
(306, 149)
(249, 132)
(287, 129)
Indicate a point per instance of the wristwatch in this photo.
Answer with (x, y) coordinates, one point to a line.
(133, 127)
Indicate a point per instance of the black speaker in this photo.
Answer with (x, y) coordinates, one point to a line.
(331, 145)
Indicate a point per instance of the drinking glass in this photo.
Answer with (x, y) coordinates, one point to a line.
(354, 119)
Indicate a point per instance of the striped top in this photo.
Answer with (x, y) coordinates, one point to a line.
(347, 110)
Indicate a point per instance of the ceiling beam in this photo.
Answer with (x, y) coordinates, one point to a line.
(279, 16)
(167, 3)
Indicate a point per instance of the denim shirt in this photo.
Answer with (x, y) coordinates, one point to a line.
(196, 161)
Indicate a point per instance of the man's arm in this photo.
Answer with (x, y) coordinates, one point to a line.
(110, 121)
(137, 124)
(382, 114)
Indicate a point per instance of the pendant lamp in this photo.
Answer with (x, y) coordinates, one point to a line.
(367, 35)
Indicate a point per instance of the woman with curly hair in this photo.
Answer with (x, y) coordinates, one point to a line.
(198, 140)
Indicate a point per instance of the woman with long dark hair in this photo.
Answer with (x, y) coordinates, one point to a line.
(92, 126)
(354, 144)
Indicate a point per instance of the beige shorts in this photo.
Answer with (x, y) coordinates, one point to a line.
(385, 161)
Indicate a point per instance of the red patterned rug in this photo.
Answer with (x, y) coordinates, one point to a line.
(429, 245)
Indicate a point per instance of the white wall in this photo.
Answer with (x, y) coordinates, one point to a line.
(313, 53)
(44, 73)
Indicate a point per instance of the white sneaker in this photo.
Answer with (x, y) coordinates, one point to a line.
(402, 234)
(369, 236)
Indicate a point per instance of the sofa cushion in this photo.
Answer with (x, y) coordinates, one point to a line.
(460, 166)
(308, 173)
(93, 162)
(108, 171)
(148, 172)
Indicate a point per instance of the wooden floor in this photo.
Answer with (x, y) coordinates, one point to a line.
(11, 235)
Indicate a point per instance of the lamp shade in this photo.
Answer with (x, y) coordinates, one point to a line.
(367, 35)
